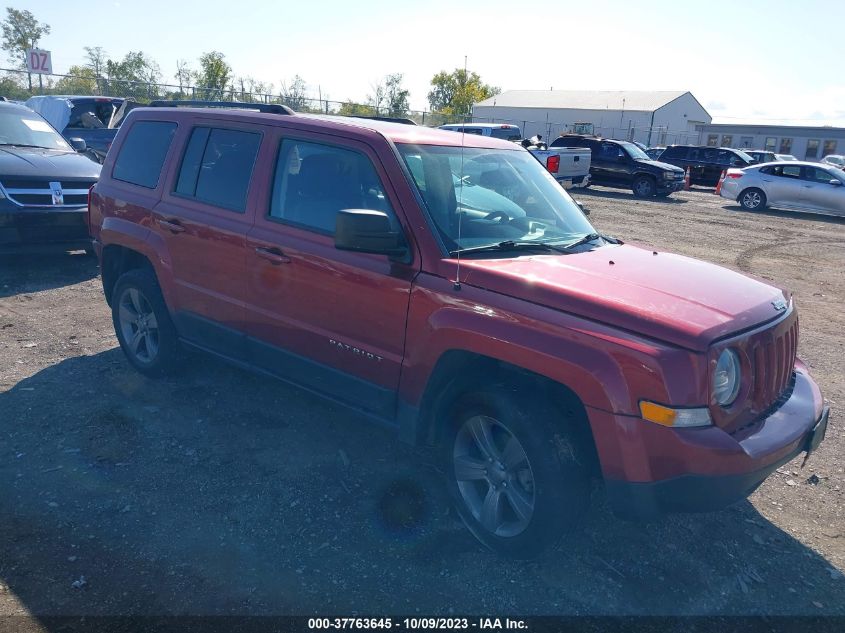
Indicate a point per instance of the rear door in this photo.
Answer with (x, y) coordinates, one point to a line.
(783, 184)
(819, 194)
(203, 219)
(331, 320)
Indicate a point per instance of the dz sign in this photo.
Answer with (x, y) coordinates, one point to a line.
(38, 61)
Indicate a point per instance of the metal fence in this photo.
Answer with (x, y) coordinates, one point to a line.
(19, 85)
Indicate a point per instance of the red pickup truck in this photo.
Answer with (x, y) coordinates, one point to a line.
(449, 288)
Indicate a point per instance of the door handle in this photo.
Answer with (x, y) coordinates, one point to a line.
(272, 255)
(174, 226)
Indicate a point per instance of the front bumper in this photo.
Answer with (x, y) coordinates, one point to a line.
(657, 469)
(25, 230)
(670, 186)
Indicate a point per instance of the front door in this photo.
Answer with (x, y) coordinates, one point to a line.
(819, 194)
(203, 218)
(331, 320)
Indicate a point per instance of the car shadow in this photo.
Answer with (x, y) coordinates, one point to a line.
(33, 273)
(797, 215)
(220, 492)
(616, 194)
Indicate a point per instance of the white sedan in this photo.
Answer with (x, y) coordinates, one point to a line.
(793, 185)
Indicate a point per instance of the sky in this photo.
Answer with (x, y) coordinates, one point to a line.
(771, 61)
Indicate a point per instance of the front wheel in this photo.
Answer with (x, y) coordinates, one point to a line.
(644, 187)
(517, 482)
(752, 200)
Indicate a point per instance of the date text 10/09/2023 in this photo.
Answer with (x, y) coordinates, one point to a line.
(418, 624)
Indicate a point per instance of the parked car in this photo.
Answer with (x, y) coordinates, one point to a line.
(44, 185)
(835, 160)
(761, 155)
(654, 152)
(93, 119)
(495, 130)
(782, 157)
(706, 164)
(569, 166)
(534, 352)
(623, 164)
(797, 186)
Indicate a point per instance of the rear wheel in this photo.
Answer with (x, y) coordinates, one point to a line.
(142, 323)
(752, 199)
(644, 186)
(517, 482)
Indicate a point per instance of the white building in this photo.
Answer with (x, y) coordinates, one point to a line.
(650, 117)
(802, 141)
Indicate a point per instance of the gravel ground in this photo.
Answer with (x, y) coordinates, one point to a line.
(223, 492)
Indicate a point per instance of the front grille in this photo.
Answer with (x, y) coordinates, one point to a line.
(36, 193)
(774, 359)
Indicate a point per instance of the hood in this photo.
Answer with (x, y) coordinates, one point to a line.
(668, 297)
(661, 165)
(47, 164)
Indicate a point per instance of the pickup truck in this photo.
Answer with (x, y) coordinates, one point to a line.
(93, 119)
(451, 291)
(570, 166)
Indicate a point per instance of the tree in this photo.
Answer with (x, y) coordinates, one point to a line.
(183, 75)
(454, 93)
(293, 94)
(396, 95)
(80, 80)
(133, 76)
(214, 75)
(97, 58)
(21, 31)
(356, 109)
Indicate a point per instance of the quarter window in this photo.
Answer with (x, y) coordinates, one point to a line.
(828, 148)
(785, 146)
(812, 149)
(314, 181)
(217, 167)
(143, 152)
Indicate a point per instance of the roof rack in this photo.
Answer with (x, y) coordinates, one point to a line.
(270, 108)
(391, 119)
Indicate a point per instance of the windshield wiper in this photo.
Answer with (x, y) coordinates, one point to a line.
(591, 237)
(509, 245)
(23, 145)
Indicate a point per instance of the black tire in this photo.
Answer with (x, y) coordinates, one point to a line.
(644, 186)
(752, 199)
(553, 478)
(155, 351)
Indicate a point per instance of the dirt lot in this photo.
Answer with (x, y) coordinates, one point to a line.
(222, 492)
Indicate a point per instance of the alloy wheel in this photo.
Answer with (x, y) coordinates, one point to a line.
(138, 325)
(494, 476)
(751, 200)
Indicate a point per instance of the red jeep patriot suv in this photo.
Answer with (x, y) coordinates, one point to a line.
(448, 287)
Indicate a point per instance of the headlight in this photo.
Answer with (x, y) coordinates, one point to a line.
(726, 378)
(669, 175)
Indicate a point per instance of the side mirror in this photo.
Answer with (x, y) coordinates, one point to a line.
(835, 183)
(78, 144)
(367, 231)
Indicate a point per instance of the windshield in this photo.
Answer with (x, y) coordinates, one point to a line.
(746, 157)
(488, 196)
(836, 160)
(634, 151)
(18, 127)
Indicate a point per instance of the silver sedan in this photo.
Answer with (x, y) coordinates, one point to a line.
(792, 185)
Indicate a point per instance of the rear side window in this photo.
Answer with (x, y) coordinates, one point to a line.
(143, 152)
(673, 152)
(217, 167)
